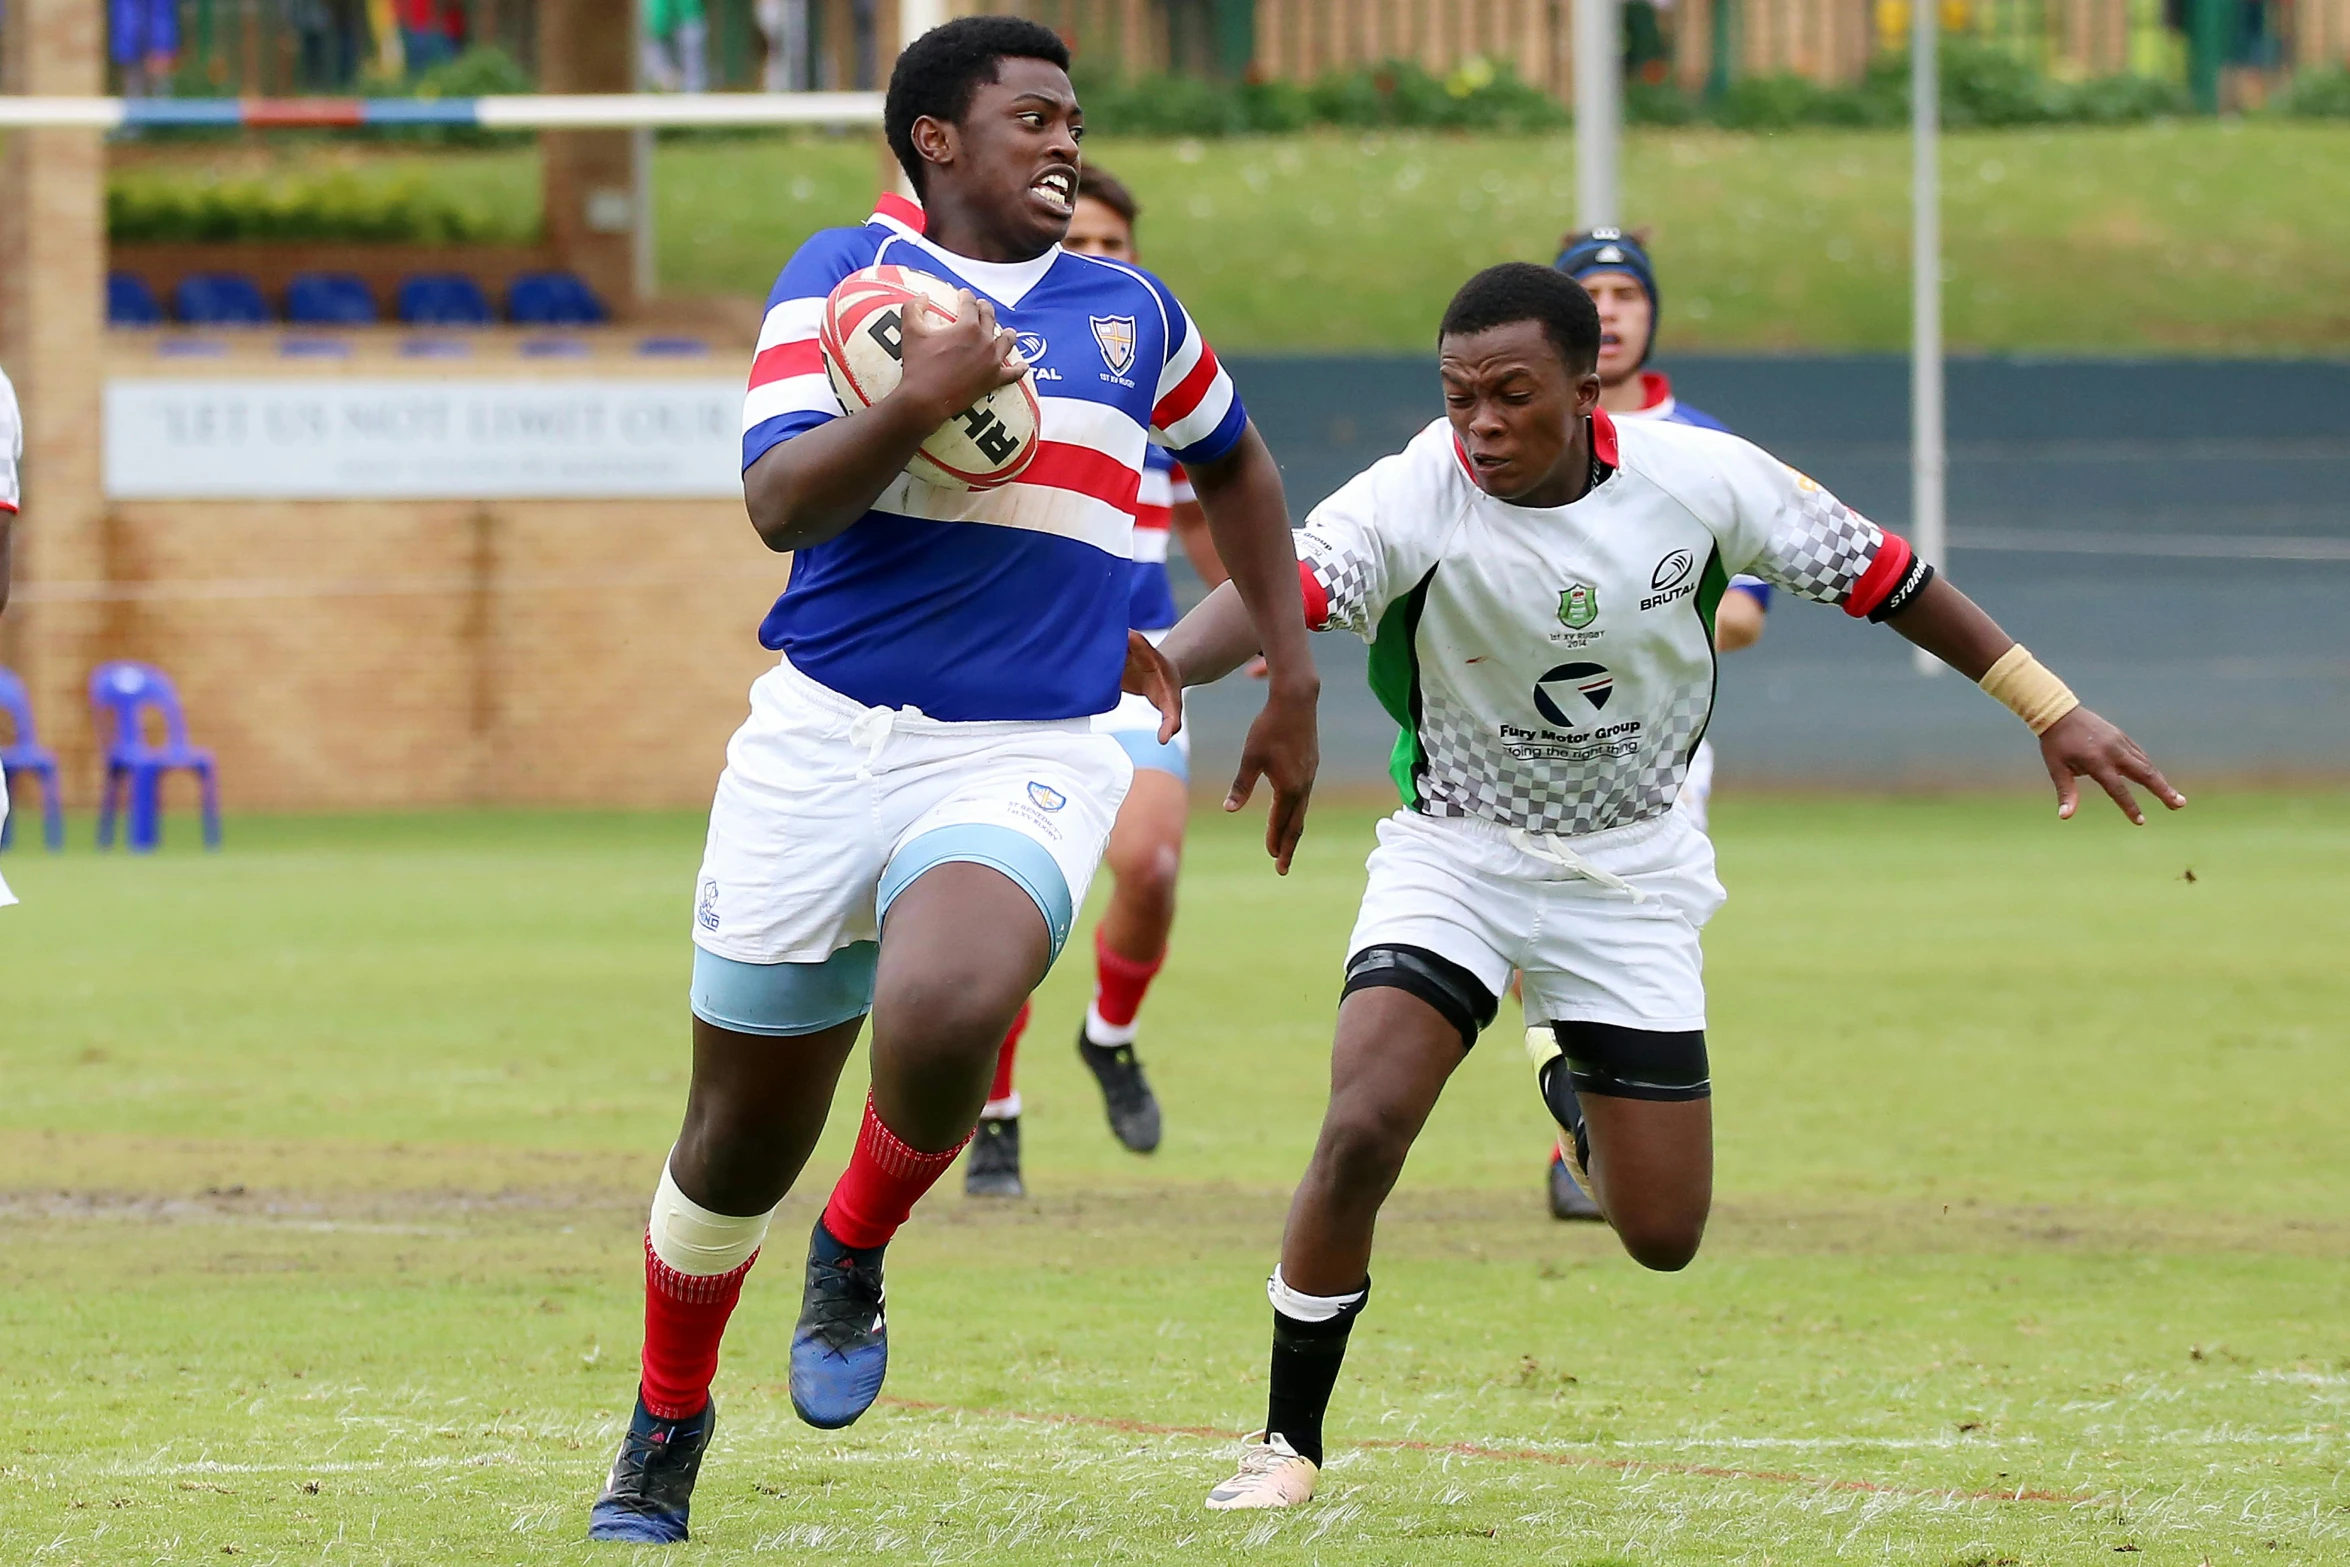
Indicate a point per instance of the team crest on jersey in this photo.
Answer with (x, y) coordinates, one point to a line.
(1047, 797)
(1114, 335)
(1578, 605)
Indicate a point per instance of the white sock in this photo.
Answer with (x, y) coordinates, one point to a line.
(1301, 1307)
(693, 1240)
(1004, 1109)
(1112, 1035)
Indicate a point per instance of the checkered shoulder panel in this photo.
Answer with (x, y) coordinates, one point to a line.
(1347, 574)
(1819, 547)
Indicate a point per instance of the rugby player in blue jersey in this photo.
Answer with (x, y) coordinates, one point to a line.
(910, 815)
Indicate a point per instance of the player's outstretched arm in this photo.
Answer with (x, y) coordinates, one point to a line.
(813, 486)
(1249, 519)
(2074, 742)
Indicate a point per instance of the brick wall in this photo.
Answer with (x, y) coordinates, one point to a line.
(362, 655)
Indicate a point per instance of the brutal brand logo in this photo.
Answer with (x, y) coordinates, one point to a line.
(1114, 335)
(1671, 570)
(1031, 346)
(1571, 684)
(706, 908)
(1578, 605)
(1047, 797)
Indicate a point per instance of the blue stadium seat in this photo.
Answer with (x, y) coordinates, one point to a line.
(443, 299)
(220, 299)
(130, 302)
(329, 299)
(552, 299)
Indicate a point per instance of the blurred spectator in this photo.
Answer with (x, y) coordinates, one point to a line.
(145, 39)
(863, 19)
(784, 24)
(428, 34)
(328, 38)
(677, 46)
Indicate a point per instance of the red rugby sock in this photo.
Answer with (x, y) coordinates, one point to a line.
(685, 1316)
(1004, 1057)
(1120, 982)
(884, 1180)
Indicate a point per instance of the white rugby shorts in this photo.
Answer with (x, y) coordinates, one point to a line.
(821, 795)
(6, 897)
(1473, 892)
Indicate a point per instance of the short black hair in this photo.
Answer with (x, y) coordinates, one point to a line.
(1101, 185)
(939, 71)
(1522, 291)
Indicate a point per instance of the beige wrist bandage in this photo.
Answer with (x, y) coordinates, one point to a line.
(2028, 689)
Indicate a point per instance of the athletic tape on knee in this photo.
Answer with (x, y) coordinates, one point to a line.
(693, 1240)
(1301, 1307)
(1635, 1063)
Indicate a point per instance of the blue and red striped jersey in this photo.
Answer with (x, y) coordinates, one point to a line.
(1011, 603)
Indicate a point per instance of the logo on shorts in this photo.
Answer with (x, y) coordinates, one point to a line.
(1114, 335)
(1047, 797)
(1572, 685)
(1578, 605)
(706, 908)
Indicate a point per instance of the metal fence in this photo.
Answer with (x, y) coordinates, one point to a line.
(2232, 50)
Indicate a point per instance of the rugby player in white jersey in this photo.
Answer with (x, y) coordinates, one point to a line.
(1538, 584)
(1145, 855)
(1615, 269)
(909, 816)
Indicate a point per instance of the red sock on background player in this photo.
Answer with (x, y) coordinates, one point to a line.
(1003, 1099)
(1120, 982)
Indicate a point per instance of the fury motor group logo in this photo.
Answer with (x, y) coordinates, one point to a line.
(1578, 605)
(1114, 335)
(1047, 797)
(1572, 687)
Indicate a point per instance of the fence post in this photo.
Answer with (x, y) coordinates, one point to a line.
(1599, 112)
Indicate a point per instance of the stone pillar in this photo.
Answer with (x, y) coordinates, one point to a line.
(589, 178)
(52, 321)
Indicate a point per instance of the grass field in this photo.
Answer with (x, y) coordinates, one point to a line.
(2216, 237)
(322, 1163)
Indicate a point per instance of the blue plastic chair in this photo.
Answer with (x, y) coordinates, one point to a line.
(121, 696)
(130, 302)
(26, 757)
(552, 299)
(329, 299)
(443, 299)
(220, 299)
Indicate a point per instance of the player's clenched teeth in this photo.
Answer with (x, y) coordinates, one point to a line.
(1059, 189)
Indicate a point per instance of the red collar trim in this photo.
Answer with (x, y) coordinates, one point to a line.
(900, 209)
(1655, 388)
(1603, 438)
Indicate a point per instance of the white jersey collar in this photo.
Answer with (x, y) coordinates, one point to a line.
(1008, 282)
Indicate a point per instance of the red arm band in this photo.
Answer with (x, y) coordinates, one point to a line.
(1317, 598)
(1885, 573)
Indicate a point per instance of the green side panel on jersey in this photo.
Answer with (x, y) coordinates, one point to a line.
(1395, 681)
(1710, 589)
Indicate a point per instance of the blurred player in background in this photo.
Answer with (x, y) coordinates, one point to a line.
(1146, 846)
(11, 458)
(1538, 584)
(910, 815)
(1615, 270)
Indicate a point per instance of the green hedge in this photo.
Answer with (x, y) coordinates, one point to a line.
(2316, 94)
(1480, 96)
(166, 208)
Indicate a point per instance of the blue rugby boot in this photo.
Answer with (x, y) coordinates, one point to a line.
(840, 1350)
(652, 1485)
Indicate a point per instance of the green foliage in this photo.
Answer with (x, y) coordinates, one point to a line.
(1396, 95)
(1982, 86)
(2316, 94)
(338, 206)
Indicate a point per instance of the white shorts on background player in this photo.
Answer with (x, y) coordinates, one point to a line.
(828, 808)
(1612, 940)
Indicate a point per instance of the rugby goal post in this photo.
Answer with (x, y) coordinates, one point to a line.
(1929, 460)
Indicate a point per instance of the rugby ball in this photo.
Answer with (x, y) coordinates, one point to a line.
(862, 338)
